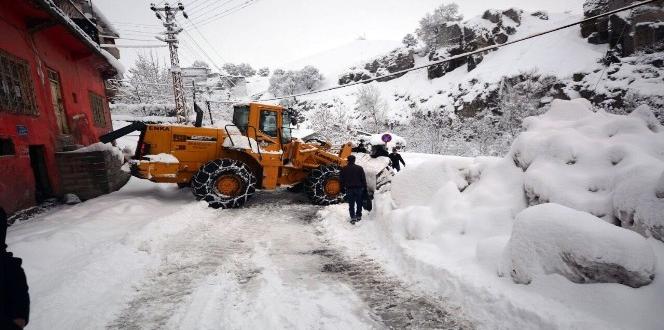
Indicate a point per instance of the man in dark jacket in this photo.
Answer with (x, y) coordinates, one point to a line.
(395, 158)
(354, 181)
(14, 298)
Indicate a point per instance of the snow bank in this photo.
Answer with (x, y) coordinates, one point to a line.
(455, 196)
(417, 185)
(551, 238)
(607, 165)
(447, 222)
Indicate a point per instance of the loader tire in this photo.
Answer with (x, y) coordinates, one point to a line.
(323, 185)
(224, 183)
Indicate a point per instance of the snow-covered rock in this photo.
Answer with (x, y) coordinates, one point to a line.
(71, 199)
(604, 164)
(553, 239)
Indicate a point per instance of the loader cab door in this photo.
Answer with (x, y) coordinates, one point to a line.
(269, 129)
(268, 123)
(241, 118)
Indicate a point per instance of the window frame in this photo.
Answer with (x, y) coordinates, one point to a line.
(15, 73)
(241, 112)
(262, 126)
(98, 110)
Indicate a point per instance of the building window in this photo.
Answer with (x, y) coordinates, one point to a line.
(98, 113)
(16, 87)
(7, 147)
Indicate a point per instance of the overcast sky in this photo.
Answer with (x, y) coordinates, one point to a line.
(274, 32)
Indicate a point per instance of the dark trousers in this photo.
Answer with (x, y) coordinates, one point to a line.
(354, 198)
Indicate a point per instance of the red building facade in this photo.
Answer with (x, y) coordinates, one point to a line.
(52, 94)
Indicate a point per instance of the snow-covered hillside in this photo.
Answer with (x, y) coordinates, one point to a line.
(563, 65)
(333, 62)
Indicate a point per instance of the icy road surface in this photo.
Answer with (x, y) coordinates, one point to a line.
(150, 257)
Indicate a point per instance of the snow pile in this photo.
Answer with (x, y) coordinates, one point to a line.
(440, 199)
(551, 238)
(163, 158)
(418, 185)
(604, 164)
(103, 147)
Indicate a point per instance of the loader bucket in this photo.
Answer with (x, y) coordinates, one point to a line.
(377, 170)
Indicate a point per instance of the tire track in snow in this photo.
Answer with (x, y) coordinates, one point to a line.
(392, 302)
(189, 256)
(278, 263)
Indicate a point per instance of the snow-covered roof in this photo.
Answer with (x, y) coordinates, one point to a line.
(57, 13)
(105, 22)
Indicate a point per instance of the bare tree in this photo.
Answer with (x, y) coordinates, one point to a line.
(290, 82)
(409, 40)
(432, 30)
(332, 121)
(371, 107)
(148, 82)
(264, 71)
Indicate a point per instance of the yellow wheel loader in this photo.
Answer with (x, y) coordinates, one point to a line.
(224, 165)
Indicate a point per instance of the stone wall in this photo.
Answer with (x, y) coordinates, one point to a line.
(90, 174)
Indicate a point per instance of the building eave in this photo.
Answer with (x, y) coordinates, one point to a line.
(112, 68)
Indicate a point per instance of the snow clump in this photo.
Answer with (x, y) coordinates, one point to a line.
(604, 164)
(554, 239)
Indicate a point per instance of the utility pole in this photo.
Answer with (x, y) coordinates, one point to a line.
(172, 31)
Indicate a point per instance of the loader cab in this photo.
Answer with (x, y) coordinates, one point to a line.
(266, 123)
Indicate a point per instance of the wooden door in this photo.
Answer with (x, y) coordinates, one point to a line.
(58, 103)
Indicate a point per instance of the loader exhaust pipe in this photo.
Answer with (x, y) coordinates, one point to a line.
(135, 126)
(199, 115)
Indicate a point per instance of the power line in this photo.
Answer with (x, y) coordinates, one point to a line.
(210, 6)
(481, 50)
(207, 41)
(132, 39)
(131, 46)
(193, 2)
(136, 24)
(121, 30)
(206, 55)
(227, 12)
(212, 9)
(606, 57)
(199, 5)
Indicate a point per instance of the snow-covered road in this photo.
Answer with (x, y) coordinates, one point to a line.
(151, 257)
